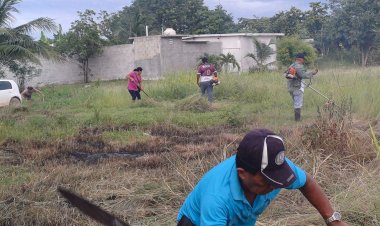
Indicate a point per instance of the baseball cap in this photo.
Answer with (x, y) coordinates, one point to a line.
(261, 150)
(300, 55)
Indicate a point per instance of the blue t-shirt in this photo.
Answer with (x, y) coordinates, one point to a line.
(218, 198)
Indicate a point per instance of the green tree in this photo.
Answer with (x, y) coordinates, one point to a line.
(288, 22)
(255, 25)
(316, 24)
(184, 16)
(316, 18)
(263, 52)
(181, 15)
(19, 53)
(43, 39)
(357, 25)
(108, 28)
(225, 60)
(82, 41)
(216, 22)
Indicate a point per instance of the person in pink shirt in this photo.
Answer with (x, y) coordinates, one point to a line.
(135, 83)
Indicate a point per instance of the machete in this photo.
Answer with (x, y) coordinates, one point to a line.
(90, 209)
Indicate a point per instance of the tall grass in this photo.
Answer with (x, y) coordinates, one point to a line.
(260, 97)
(180, 136)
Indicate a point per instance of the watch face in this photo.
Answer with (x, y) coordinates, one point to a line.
(337, 216)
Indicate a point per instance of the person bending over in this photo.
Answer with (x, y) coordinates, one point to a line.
(239, 189)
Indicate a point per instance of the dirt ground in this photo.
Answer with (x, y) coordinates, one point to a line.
(145, 182)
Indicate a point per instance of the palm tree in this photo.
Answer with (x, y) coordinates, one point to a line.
(263, 52)
(226, 60)
(18, 51)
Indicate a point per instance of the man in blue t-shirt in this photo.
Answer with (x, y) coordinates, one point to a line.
(238, 190)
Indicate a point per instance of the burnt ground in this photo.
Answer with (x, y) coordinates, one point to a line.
(89, 145)
(135, 180)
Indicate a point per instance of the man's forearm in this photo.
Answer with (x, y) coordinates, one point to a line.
(314, 194)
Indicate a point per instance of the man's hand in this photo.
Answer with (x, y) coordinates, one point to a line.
(198, 84)
(315, 71)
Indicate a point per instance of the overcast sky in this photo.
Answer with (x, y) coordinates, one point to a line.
(65, 11)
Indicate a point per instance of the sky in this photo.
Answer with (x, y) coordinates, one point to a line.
(65, 11)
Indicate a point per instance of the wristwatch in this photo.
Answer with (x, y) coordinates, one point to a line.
(336, 216)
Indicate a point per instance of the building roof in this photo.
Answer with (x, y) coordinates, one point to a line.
(233, 35)
(162, 36)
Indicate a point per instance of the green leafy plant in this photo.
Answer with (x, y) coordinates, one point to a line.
(262, 54)
(226, 60)
(374, 141)
(288, 47)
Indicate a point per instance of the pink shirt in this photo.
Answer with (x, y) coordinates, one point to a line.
(137, 80)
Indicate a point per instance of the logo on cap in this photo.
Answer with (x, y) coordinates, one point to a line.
(280, 158)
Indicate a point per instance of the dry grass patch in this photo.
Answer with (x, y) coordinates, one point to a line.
(194, 103)
(150, 188)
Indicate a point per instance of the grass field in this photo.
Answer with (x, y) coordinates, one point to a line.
(140, 160)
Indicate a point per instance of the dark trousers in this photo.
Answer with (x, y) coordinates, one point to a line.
(185, 222)
(206, 87)
(135, 94)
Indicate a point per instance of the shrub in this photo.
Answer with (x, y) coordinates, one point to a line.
(288, 47)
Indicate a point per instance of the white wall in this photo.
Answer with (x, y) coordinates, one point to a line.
(114, 63)
(155, 54)
(239, 45)
(63, 72)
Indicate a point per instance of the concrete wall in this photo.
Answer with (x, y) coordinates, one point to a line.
(239, 44)
(177, 55)
(157, 55)
(271, 41)
(147, 55)
(249, 47)
(229, 44)
(114, 63)
(64, 72)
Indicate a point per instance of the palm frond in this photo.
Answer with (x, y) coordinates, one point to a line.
(253, 56)
(40, 24)
(13, 52)
(228, 58)
(6, 10)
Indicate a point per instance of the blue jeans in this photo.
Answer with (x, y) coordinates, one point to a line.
(135, 94)
(206, 86)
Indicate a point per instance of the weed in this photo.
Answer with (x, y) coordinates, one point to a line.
(375, 141)
(233, 117)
